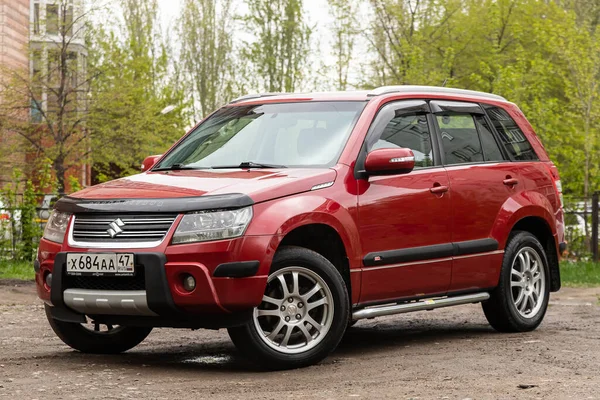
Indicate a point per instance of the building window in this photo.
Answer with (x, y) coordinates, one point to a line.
(68, 20)
(52, 19)
(36, 65)
(72, 68)
(53, 67)
(36, 18)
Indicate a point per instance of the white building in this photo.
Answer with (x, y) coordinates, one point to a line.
(57, 26)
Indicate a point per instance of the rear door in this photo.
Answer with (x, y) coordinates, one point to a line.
(482, 179)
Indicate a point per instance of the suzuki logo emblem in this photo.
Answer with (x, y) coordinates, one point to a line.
(115, 227)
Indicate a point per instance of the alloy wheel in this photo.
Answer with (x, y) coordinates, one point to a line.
(527, 282)
(296, 311)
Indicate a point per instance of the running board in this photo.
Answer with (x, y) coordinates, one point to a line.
(428, 304)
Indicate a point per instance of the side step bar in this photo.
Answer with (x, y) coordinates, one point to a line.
(427, 304)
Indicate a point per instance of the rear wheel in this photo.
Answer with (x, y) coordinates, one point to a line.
(303, 315)
(96, 338)
(520, 301)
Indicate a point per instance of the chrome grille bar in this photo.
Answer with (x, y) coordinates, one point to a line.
(120, 228)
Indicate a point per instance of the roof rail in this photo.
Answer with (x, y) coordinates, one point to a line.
(431, 90)
(254, 96)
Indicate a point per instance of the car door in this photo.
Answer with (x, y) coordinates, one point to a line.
(482, 179)
(404, 220)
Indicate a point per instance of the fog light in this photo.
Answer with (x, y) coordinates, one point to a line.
(49, 280)
(189, 283)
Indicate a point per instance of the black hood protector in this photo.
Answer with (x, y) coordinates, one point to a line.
(76, 205)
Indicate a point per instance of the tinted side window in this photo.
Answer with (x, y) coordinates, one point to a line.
(511, 135)
(460, 140)
(491, 150)
(408, 131)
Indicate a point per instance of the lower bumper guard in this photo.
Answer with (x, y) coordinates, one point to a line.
(116, 302)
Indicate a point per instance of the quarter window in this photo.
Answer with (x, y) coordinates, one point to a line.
(408, 131)
(491, 150)
(511, 136)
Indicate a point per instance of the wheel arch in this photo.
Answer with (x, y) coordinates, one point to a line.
(325, 240)
(531, 211)
(540, 228)
(316, 223)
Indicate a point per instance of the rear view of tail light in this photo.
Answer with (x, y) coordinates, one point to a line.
(560, 192)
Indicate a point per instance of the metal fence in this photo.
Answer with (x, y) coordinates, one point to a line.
(12, 222)
(595, 226)
(582, 226)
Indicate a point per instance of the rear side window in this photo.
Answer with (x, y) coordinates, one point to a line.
(460, 140)
(511, 135)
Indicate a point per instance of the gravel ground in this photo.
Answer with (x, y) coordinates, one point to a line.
(444, 354)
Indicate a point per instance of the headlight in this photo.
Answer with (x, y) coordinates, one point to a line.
(56, 226)
(212, 225)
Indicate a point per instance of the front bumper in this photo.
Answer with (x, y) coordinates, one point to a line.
(227, 288)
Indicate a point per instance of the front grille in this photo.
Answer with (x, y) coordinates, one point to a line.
(136, 282)
(110, 228)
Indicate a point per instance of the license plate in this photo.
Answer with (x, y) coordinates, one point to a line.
(100, 264)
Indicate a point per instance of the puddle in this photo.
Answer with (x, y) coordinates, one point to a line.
(207, 360)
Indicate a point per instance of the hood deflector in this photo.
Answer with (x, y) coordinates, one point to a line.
(76, 205)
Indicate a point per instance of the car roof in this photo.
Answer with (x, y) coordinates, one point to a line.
(365, 95)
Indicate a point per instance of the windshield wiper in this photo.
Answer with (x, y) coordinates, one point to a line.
(249, 164)
(176, 167)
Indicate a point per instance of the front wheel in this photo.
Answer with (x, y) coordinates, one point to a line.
(97, 338)
(303, 314)
(519, 302)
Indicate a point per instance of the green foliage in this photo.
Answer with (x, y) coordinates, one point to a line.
(20, 234)
(10, 229)
(345, 32)
(131, 88)
(279, 53)
(74, 183)
(580, 273)
(207, 53)
(542, 55)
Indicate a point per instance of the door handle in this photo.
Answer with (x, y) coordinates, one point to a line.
(510, 181)
(438, 189)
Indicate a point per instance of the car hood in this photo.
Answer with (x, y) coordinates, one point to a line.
(258, 184)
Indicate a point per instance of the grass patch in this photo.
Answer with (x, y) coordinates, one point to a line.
(10, 269)
(580, 273)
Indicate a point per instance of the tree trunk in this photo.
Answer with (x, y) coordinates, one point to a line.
(59, 169)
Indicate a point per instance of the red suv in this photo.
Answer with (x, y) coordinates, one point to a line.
(287, 217)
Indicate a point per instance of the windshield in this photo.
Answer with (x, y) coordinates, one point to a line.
(268, 135)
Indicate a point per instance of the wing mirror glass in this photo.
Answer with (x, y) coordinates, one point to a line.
(390, 161)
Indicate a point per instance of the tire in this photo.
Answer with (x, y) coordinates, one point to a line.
(112, 341)
(263, 339)
(512, 306)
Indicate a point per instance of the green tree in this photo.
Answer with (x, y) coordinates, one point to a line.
(132, 88)
(580, 52)
(345, 32)
(207, 53)
(279, 51)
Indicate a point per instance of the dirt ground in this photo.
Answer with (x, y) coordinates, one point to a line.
(444, 354)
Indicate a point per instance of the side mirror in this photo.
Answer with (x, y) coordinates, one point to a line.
(390, 161)
(149, 162)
